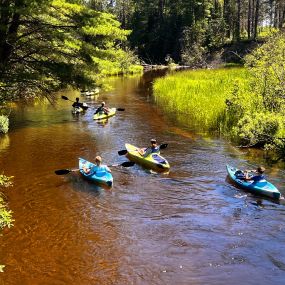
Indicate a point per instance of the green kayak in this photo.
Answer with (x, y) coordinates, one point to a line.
(102, 115)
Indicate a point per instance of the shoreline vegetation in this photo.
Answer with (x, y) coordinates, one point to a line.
(245, 104)
(198, 94)
(6, 219)
(5, 214)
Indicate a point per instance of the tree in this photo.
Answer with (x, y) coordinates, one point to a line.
(46, 45)
(267, 64)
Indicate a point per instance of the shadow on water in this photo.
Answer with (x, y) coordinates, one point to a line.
(80, 184)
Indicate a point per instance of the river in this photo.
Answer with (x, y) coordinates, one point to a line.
(190, 226)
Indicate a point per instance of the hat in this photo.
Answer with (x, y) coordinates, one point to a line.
(153, 140)
(103, 103)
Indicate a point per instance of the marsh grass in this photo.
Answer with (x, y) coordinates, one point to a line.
(198, 95)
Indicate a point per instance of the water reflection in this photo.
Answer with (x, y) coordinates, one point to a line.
(188, 227)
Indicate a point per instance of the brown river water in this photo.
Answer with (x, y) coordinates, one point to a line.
(190, 226)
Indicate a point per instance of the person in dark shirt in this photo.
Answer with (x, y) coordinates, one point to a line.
(153, 148)
(78, 104)
(258, 174)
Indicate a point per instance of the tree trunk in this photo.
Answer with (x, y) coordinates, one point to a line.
(256, 19)
(249, 20)
(237, 21)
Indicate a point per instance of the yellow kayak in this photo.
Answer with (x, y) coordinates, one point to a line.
(153, 161)
(102, 115)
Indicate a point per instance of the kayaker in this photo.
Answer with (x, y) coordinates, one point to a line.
(102, 108)
(153, 148)
(99, 167)
(78, 104)
(255, 178)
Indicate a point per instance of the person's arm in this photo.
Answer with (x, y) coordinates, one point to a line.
(107, 169)
(106, 110)
(147, 151)
(247, 177)
(86, 169)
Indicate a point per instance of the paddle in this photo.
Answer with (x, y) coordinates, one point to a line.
(124, 151)
(81, 104)
(66, 171)
(86, 107)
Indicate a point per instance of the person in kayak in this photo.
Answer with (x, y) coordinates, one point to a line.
(102, 108)
(153, 148)
(78, 104)
(98, 167)
(255, 178)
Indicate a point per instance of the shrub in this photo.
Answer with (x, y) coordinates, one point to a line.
(4, 124)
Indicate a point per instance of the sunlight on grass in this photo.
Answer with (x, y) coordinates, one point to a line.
(199, 95)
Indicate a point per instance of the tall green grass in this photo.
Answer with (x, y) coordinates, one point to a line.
(199, 96)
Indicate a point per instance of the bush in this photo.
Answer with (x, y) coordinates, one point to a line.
(5, 214)
(4, 124)
(259, 129)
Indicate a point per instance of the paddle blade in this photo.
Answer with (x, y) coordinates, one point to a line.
(163, 146)
(64, 98)
(120, 109)
(128, 164)
(122, 152)
(62, 171)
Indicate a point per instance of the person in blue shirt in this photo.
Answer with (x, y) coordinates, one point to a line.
(98, 167)
(153, 148)
(258, 174)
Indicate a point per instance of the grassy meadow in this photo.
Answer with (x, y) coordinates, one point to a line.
(200, 95)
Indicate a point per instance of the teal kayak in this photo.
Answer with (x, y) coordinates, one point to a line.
(99, 177)
(262, 187)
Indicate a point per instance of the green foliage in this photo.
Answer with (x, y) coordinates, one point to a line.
(58, 43)
(4, 124)
(5, 214)
(194, 50)
(2, 268)
(257, 112)
(259, 129)
(265, 32)
(267, 64)
(5, 181)
(240, 100)
(200, 95)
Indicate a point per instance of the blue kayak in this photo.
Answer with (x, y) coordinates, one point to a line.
(261, 187)
(100, 177)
